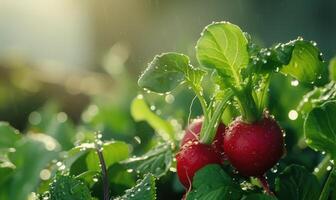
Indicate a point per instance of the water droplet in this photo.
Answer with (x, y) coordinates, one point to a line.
(274, 169)
(293, 114)
(137, 139)
(170, 98)
(294, 83)
(35, 118)
(61, 117)
(45, 174)
(152, 107)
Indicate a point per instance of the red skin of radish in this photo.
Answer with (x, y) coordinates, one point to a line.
(254, 148)
(192, 133)
(192, 157)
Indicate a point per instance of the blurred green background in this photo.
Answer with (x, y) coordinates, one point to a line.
(77, 61)
(72, 50)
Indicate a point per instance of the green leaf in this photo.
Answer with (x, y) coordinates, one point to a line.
(295, 182)
(211, 182)
(266, 60)
(120, 178)
(332, 69)
(169, 70)
(63, 131)
(6, 171)
(113, 152)
(68, 187)
(317, 97)
(297, 58)
(144, 190)
(32, 155)
(156, 161)
(306, 64)
(223, 47)
(259, 197)
(51, 121)
(76, 153)
(320, 128)
(141, 112)
(8, 135)
(89, 177)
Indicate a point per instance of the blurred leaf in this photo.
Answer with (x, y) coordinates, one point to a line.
(113, 152)
(306, 64)
(141, 112)
(63, 132)
(6, 171)
(68, 187)
(8, 135)
(259, 197)
(317, 97)
(109, 118)
(144, 190)
(55, 124)
(320, 126)
(223, 47)
(33, 153)
(156, 161)
(332, 69)
(169, 70)
(295, 182)
(211, 182)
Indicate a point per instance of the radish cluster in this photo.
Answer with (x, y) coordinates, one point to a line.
(251, 148)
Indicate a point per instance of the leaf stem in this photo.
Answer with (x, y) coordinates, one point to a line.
(320, 174)
(208, 131)
(247, 104)
(106, 184)
(330, 182)
(265, 185)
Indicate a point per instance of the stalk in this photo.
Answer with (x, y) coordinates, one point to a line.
(248, 107)
(320, 174)
(208, 131)
(265, 185)
(327, 186)
(106, 184)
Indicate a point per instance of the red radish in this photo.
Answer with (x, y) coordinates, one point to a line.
(254, 148)
(192, 157)
(192, 133)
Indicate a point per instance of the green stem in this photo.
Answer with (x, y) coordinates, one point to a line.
(208, 131)
(106, 185)
(320, 174)
(247, 105)
(330, 182)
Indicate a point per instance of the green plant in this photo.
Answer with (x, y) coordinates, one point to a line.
(113, 155)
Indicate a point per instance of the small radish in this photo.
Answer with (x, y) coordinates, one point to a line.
(254, 148)
(192, 157)
(192, 133)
